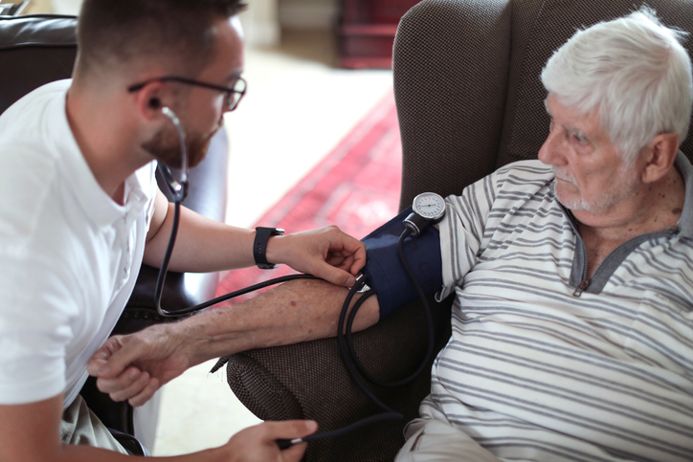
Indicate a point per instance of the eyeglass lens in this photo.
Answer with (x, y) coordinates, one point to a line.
(234, 97)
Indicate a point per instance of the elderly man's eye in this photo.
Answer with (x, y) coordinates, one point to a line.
(579, 137)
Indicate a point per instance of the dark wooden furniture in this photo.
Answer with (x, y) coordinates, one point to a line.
(367, 30)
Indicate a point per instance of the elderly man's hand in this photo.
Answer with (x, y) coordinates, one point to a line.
(327, 253)
(132, 367)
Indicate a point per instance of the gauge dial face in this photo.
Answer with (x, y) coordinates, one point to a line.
(429, 205)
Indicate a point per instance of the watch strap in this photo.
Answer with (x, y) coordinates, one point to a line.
(262, 236)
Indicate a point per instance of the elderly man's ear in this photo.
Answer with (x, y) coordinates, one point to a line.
(659, 157)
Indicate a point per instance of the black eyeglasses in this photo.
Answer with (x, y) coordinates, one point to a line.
(234, 94)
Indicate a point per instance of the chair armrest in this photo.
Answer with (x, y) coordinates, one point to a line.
(37, 49)
(308, 380)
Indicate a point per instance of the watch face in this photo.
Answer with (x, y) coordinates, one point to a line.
(429, 205)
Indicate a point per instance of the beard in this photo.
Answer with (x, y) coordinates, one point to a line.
(625, 184)
(165, 147)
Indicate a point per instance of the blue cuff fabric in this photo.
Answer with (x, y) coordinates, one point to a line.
(384, 272)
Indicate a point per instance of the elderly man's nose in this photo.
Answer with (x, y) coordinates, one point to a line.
(550, 151)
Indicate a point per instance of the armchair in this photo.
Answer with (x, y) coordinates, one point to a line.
(37, 49)
(469, 100)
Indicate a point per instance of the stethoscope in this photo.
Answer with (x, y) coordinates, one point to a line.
(178, 187)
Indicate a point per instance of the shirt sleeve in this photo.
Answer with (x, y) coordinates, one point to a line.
(462, 229)
(146, 176)
(36, 306)
(34, 328)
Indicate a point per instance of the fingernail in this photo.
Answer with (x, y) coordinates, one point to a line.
(96, 369)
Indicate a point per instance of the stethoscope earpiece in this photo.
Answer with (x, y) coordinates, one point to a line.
(178, 187)
(155, 103)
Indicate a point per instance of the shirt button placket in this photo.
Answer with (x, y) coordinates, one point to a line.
(126, 241)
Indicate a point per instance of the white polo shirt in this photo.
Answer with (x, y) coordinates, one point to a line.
(70, 255)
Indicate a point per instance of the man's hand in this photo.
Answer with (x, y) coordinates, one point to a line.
(327, 253)
(258, 443)
(132, 367)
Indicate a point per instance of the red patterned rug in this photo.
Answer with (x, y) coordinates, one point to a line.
(356, 187)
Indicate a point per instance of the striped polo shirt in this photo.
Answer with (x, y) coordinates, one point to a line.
(545, 365)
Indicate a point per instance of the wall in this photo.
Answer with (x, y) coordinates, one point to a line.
(54, 6)
(66, 6)
(262, 22)
(308, 14)
(39, 6)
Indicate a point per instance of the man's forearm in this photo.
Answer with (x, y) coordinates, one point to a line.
(296, 311)
(202, 244)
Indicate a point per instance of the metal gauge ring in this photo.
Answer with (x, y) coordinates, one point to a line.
(429, 205)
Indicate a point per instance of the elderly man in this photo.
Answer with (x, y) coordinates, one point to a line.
(571, 333)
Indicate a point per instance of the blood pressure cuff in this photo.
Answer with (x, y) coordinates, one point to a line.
(384, 272)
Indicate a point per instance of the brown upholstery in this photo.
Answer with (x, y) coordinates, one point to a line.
(469, 99)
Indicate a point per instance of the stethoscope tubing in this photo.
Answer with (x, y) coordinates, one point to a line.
(178, 189)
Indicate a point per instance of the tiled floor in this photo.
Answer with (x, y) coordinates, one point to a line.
(297, 109)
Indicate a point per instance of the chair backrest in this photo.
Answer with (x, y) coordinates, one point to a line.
(466, 75)
(35, 49)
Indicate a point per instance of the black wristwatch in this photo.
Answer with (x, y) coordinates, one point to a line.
(262, 235)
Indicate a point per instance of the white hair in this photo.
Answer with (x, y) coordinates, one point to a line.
(633, 71)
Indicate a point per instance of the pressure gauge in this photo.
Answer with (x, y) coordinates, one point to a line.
(429, 205)
(428, 208)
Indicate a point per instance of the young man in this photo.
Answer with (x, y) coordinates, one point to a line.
(572, 275)
(81, 212)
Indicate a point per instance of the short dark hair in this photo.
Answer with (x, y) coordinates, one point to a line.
(119, 32)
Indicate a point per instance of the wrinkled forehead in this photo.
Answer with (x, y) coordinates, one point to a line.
(556, 107)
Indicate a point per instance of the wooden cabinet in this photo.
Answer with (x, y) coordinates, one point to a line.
(367, 30)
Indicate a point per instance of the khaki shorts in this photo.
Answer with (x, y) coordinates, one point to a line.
(435, 440)
(81, 426)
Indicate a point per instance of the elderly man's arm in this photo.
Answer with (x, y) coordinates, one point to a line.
(133, 367)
